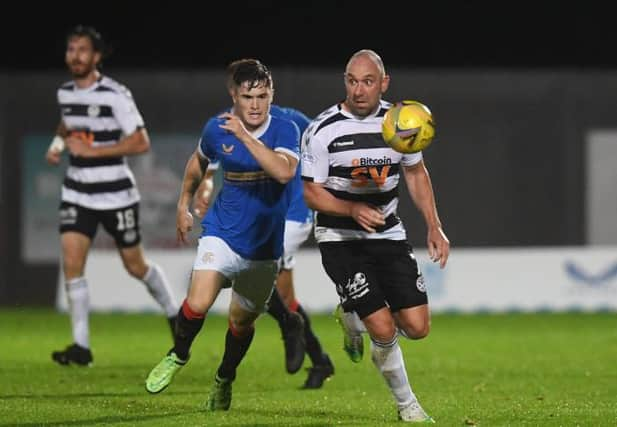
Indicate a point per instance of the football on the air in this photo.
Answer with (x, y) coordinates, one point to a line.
(408, 127)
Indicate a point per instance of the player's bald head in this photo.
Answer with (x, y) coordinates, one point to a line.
(367, 54)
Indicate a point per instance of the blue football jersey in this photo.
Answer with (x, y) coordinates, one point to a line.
(298, 211)
(250, 208)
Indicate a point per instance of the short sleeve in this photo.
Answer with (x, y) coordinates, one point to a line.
(411, 159)
(206, 147)
(126, 112)
(315, 162)
(213, 166)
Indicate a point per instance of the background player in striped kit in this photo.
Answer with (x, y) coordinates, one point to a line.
(351, 179)
(298, 226)
(242, 233)
(100, 125)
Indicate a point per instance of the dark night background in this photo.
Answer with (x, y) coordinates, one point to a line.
(518, 88)
(310, 34)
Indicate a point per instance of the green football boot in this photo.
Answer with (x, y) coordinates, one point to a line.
(353, 343)
(219, 398)
(162, 374)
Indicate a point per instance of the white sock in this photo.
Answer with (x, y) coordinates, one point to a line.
(388, 358)
(79, 301)
(159, 288)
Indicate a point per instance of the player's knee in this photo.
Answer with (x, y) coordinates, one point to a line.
(424, 331)
(417, 331)
(241, 326)
(382, 333)
(73, 267)
(196, 305)
(288, 299)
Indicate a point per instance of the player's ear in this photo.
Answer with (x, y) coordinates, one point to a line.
(385, 83)
(98, 56)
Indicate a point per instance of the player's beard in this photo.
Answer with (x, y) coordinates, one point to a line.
(81, 71)
(359, 106)
(358, 110)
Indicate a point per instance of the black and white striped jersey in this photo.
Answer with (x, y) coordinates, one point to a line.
(102, 114)
(347, 155)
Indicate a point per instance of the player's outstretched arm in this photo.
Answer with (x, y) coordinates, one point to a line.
(193, 174)
(421, 192)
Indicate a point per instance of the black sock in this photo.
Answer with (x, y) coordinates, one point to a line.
(172, 324)
(278, 309)
(313, 347)
(235, 349)
(187, 327)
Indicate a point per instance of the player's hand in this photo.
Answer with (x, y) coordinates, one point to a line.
(438, 246)
(233, 124)
(53, 157)
(77, 146)
(369, 217)
(184, 224)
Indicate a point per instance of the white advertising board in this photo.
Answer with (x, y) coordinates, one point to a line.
(475, 280)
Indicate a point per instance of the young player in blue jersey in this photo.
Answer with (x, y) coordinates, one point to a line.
(298, 226)
(242, 235)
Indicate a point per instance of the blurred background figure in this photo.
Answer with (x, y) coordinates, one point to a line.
(100, 125)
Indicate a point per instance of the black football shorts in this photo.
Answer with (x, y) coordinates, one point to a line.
(122, 224)
(371, 274)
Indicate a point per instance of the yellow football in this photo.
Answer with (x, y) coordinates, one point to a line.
(408, 127)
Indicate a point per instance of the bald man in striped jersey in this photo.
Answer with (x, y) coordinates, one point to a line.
(100, 125)
(351, 179)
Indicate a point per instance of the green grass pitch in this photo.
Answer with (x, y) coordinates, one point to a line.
(485, 370)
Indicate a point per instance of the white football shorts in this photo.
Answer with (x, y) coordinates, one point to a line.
(251, 281)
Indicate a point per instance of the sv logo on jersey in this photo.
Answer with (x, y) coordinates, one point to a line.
(228, 149)
(360, 176)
